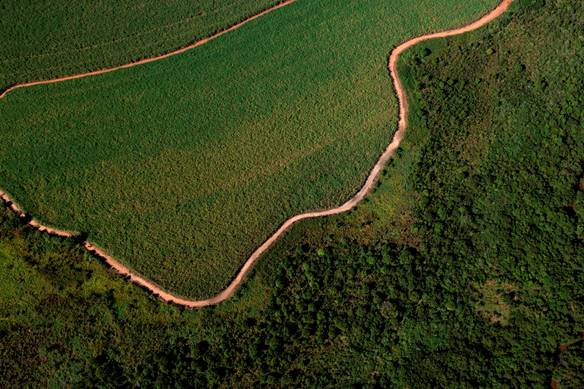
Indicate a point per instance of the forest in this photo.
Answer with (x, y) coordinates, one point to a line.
(476, 281)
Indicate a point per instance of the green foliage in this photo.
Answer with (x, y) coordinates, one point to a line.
(569, 364)
(485, 291)
(181, 167)
(47, 39)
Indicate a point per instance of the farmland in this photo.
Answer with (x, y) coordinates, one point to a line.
(181, 167)
(47, 39)
(463, 269)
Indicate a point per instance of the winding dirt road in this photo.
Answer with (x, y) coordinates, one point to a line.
(168, 297)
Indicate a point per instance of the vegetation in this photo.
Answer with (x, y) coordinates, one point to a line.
(464, 268)
(48, 39)
(181, 167)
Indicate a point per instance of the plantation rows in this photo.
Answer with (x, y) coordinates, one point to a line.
(463, 269)
(180, 168)
(45, 40)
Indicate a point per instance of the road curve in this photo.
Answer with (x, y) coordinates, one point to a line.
(228, 292)
(181, 50)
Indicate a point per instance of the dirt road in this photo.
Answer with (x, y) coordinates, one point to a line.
(163, 295)
(150, 59)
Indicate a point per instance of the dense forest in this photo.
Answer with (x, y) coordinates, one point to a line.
(465, 268)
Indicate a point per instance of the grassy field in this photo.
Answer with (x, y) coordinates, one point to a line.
(46, 39)
(463, 269)
(181, 167)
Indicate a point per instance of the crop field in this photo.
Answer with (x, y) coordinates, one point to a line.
(42, 39)
(181, 167)
(463, 268)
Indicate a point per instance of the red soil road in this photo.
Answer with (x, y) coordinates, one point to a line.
(151, 59)
(253, 258)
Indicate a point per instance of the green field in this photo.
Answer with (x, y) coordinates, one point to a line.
(42, 39)
(181, 167)
(463, 269)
